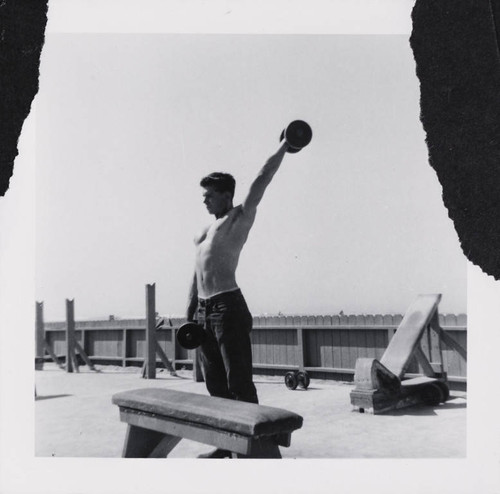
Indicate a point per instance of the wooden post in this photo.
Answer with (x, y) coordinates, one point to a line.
(440, 351)
(71, 363)
(436, 343)
(300, 348)
(174, 344)
(81, 346)
(39, 337)
(124, 349)
(150, 357)
(390, 334)
(429, 342)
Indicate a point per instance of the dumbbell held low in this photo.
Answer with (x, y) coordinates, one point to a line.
(190, 335)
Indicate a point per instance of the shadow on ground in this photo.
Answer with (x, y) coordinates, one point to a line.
(49, 397)
(423, 410)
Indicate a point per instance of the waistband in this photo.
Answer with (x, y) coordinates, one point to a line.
(219, 296)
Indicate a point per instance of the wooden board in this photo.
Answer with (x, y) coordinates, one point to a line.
(402, 345)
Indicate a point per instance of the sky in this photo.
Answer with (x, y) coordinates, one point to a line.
(127, 124)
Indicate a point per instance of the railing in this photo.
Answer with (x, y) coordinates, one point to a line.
(326, 346)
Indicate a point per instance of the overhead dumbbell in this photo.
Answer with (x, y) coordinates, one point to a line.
(297, 378)
(297, 135)
(190, 335)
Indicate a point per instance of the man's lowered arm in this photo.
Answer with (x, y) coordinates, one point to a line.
(192, 300)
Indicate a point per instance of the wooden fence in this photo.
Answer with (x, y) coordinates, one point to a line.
(327, 346)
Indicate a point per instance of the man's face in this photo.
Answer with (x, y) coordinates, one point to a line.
(216, 202)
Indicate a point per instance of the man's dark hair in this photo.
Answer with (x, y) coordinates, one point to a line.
(221, 182)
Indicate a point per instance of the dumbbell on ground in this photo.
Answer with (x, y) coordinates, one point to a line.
(297, 378)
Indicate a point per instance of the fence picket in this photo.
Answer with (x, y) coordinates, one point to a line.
(387, 318)
(450, 320)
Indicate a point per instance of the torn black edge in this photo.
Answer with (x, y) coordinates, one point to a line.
(456, 50)
(22, 35)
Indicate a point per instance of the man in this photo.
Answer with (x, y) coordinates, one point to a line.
(215, 300)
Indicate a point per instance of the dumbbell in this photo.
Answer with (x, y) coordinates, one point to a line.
(190, 335)
(297, 378)
(297, 135)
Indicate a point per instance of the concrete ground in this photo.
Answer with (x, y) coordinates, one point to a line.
(75, 418)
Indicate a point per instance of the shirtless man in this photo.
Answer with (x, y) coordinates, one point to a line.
(215, 300)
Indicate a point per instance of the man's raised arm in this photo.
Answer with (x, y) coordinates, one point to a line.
(263, 179)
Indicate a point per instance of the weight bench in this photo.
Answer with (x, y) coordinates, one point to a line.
(381, 385)
(159, 418)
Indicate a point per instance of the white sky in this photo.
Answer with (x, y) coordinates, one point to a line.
(128, 124)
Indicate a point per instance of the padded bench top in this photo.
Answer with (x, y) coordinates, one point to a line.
(247, 419)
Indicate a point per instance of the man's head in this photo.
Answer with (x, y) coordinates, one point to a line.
(218, 194)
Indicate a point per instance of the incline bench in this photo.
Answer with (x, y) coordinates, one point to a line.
(381, 386)
(159, 418)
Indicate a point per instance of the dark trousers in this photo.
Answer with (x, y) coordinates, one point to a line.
(226, 353)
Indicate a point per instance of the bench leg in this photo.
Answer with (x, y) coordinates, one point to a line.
(145, 443)
(263, 448)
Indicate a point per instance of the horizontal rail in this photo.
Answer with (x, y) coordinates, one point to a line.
(100, 328)
(257, 366)
(104, 357)
(343, 327)
(369, 327)
(329, 370)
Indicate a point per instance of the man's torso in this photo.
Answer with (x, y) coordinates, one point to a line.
(218, 250)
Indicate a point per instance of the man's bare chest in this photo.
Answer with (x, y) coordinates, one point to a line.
(218, 234)
(222, 233)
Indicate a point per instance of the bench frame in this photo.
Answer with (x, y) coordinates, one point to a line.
(155, 436)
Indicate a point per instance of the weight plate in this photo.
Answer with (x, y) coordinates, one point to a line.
(298, 134)
(291, 380)
(190, 335)
(432, 394)
(445, 391)
(304, 379)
